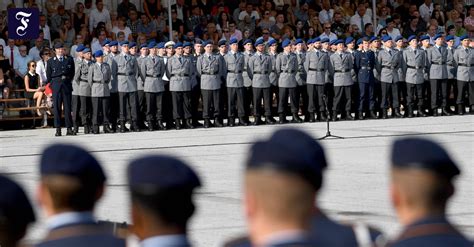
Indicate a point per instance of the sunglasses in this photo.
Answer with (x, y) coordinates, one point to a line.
(266, 33)
(33, 65)
(226, 31)
(327, 27)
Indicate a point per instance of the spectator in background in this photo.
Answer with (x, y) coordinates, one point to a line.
(421, 23)
(327, 32)
(311, 33)
(97, 42)
(45, 28)
(121, 28)
(11, 51)
(327, 13)
(391, 29)
(97, 15)
(382, 16)
(120, 37)
(460, 31)
(33, 88)
(67, 33)
(368, 30)
(237, 11)
(361, 18)
(266, 22)
(218, 9)
(222, 22)
(299, 30)
(234, 32)
(77, 40)
(194, 18)
(338, 27)
(21, 65)
(411, 28)
(160, 25)
(211, 33)
(451, 30)
(180, 9)
(79, 17)
(347, 11)
(277, 29)
(177, 23)
(132, 23)
(34, 51)
(439, 17)
(57, 21)
(432, 31)
(151, 8)
(45, 54)
(469, 21)
(250, 13)
(302, 13)
(124, 7)
(52, 7)
(5, 69)
(146, 28)
(426, 10)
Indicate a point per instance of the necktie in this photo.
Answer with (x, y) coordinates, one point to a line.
(180, 60)
(61, 59)
(153, 59)
(235, 56)
(11, 55)
(340, 55)
(439, 49)
(414, 51)
(362, 25)
(390, 52)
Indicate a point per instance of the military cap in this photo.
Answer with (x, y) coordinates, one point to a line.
(286, 43)
(58, 45)
(144, 46)
(311, 41)
(15, 208)
(359, 41)
(86, 50)
(424, 37)
(113, 43)
(80, 48)
(412, 37)
(449, 38)
(419, 153)
(222, 42)
(271, 42)
(338, 41)
(98, 53)
(349, 40)
(298, 41)
(73, 161)
(151, 45)
(398, 38)
(258, 42)
(125, 42)
(324, 40)
(160, 45)
(292, 151)
(366, 38)
(208, 42)
(159, 172)
(463, 37)
(332, 42)
(247, 41)
(132, 44)
(178, 44)
(317, 39)
(106, 42)
(198, 41)
(373, 38)
(187, 44)
(386, 38)
(437, 36)
(169, 43)
(233, 41)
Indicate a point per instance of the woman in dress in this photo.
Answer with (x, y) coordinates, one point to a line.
(79, 17)
(32, 85)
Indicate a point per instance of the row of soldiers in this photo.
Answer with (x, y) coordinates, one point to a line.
(283, 178)
(163, 83)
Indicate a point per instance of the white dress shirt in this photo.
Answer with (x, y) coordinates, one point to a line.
(425, 12)
(41, 70)
(357, 20)
(34, 53)
(331, 36)
(326, 15)
(96, 17)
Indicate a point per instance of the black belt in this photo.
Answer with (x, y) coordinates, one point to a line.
(182, 75)
(154, 76)
(365, 67)
(318, 70)
(438, 63)
(414, 67)
(234, 72)
(449, 64)
(204, 73)
(83, 81)
(464, 65)
(342, 71)
(388, 67)
(125, 74)
(260, 73)
(98, 82)
(289, 71)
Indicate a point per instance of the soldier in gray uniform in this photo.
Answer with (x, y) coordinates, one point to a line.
(258, 69)
(438, 75)
(388, 63)
(99, 78)
(127, 72)
(84, 89)
(142, 107)
(222, 47)
(340, 69)
(196, 87)
(76, 101)
(425, 45)
(272, 52)
(452, 71)
(375, 47)
(316, 66)
(286, 67)
(248, 52)
(464, 60)
(211, 68)
(414, 66)
(113, 86)
(179, 69)
(106, 49)
(301, 91)
(329, 86)
(235, 63)
(402, 87)
(168, 52)
(151, 72)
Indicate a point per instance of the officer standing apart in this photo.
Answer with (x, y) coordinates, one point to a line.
(81, 76)
(211, 68)
(422, 175)
(340, 69)
(99, 78)
(388, 63)
(60, 73)
(179, 70)
(464, 59)
(438, 75)
(316, 66)
(286, 68)
(258, 69)
(364, 65)
(235, 63)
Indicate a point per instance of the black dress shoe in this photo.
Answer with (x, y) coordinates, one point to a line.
(334, 116)
(159, 125)
(207, 123)
(107, 129)
(421, 113)
(58, 132)
(397, 113)
(243, 121)
(312, 118)
(360, 116)
(373, 114)
(257, 121)
(435, 112)
(76, 129)
(384, 114)
(324, 116)
(177, 123)
(296, 118)
(270, 120)
(87, 129)
(445, 112)
(231, 122)
(196, 123)
(70, 132)
(349, 116)
(218, 122)
(188, 124)
(95, 129)
(282, 119)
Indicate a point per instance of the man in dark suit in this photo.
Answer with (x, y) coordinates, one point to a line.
(71, 183)
(422, 182)
(60, 73)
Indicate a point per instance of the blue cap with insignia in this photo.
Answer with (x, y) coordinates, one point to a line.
(437, 36)
(15, 208)
(285, 43)
(113, 43)
(58, 45)
(125, 42)
(160, 45)
(424, 154)
(106, 42)
(412, 37)
(233, 41)
(86, 50)
(398, 38)
(247, 41)
(258, 42)
(298, 41)
(386, 38)
(178, 44)
(98, 53)
(310, 41)
(198, 41)
(144, 46)
(324, 40)
(272, 42)
(151, 45)
(424, 37)
(208, 42)
(449, 38)
(160, 173)
(373, 38)
(73, 161)
(80, 48)
(187, 44)
(291, 151)
(359, 41)
(317, 39)
(222, 42)
(463, 37)
(132, 44)
(349, 40)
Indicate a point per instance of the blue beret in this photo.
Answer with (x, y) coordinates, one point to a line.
(15, 208)
(310, 41)
(187, 44)
(80, 48)
(286, 43)
(86, 50)
(386, 38)
(125, 42)
(463, 37)
(233, 41)
(143, 46)
(159, 172)
(106, 42)
(58, 45)
(207, 42)
(222, 42)
(424, 37)
(412, 37)
(178, 44)
(198, 41)
(98, 53)
(259, 41)
(271, 42)
(349, 40)
(449, 38)
(113, 43)
(338, 41)
(291, 151)
(151, 45)
(71, 160)
(324, 40)
(399, 37)
(373, 38)
(247, 41)
(317, 39)
(437, 36)
(423, 154)
(298, 41)
(160, 45)
(359, 41)
(332, 42)
(132, 44)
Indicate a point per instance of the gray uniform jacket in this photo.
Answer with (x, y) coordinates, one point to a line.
(234, 68)
(127, 72)
(194, 74)
(179, 73)
(376, 73)
(258, 69)
(388, 63)
(99, 79)
(301, 73)
(328, 77)
(450, 63)
(247, 80)
(316, 66)
(437, 62)
(341, 69)
(113, 85)
(464, 60)
(286, 67)
(141, 78)
(75, 83)
(80, 76)
(273, 74)
(151, 72)
(414, 65)
(401, 76)
(211, 69)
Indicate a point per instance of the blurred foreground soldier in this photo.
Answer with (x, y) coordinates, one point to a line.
(71, 183)
(340, 69)
(438, 75)
(81, 77)
(161, 190)
(99, 77)
(286, 68)
(464, 59)
(316, 66)
(60, 73)
(16, 213)
(422, 182)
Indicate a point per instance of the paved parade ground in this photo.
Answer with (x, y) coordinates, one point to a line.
(355, 187)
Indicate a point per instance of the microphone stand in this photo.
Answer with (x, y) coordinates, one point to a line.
(328, 132)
